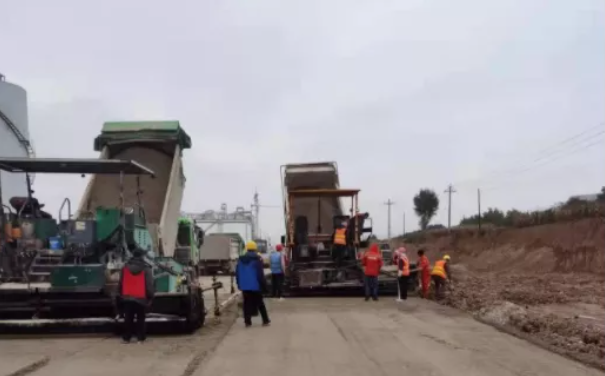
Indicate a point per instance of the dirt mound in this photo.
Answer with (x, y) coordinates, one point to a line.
(545, 283)
(563, 247)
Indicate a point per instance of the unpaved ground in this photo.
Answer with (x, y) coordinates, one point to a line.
(564, 312)
(545, 283)
(347, 336)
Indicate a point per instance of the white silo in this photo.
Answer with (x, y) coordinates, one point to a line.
(14, 136)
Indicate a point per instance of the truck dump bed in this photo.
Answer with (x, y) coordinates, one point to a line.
(216, 247)
(157, 145)
(319, 212)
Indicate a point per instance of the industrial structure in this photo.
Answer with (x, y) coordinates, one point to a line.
(240, 221)
(244, 222)
(14, 135)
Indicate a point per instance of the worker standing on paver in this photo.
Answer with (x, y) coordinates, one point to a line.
(441, 273)
(277, 262)
(403, 275)
(339, 244)
(372, 262)
(424, 270)
(136, 291)
(250, 278)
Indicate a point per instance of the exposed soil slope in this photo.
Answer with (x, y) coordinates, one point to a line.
(547, 283)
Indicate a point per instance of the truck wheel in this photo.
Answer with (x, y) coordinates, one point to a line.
(196, 315)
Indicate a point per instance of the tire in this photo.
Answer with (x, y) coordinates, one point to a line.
(197, 311)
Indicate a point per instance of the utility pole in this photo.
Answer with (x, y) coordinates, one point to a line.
(256, 220)
(450, 189)
(403, 223)
(389, 203)
(479, 207)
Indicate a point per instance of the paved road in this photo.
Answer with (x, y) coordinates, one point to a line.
(103, 354)
(310, 336)
(350, 337)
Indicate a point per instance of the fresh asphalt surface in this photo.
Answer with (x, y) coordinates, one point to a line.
(308, 336)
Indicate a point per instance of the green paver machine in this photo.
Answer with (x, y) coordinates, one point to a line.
(125, 205)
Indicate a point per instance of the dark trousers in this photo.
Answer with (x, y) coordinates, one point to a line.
(338, 253)
(132, 309)
(439, 286)
(403, 286)
(253, 303)
(277, 284)
(371, 287)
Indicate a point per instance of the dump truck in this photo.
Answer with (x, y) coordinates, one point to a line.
(133, 199)
(220, 253)
(313, 208)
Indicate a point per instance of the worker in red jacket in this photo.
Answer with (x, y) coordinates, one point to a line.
(424, 270)
(372, 262)
(136, 291)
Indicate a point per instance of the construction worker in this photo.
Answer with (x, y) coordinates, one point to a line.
(251, 281)
(339, 243)
(372, 262)
(136, 291)
(277, 263)
(424, 268)
(440, 274)
(403, 275)
(397, 253)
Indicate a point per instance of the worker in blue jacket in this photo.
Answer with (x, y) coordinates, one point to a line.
(250, 278)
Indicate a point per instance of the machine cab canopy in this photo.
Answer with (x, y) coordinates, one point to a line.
(73, 166)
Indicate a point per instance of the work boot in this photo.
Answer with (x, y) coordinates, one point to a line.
(267, 323)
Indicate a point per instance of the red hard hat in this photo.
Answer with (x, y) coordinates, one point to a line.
(279, 247)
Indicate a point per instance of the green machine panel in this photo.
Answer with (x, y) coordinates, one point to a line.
(108, 221)
(88, 276)
(164, 281)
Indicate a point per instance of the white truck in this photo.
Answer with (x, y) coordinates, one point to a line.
(220, 252)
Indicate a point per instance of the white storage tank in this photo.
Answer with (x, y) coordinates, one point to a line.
(14, 136)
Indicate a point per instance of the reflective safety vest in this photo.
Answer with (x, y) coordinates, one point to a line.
(133, 285)
(439, 269)
(340, 236)
(405, 268)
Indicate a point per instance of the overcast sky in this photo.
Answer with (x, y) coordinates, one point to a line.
(402, 94)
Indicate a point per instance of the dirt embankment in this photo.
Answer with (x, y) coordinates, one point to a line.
(545, 283)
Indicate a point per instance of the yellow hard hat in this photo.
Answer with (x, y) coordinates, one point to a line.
(446, 257)
(251, 246)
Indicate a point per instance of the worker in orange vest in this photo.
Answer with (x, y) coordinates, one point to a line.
(424, 267)
(403, 274)
(441, 273)
(339, 244)
(136, 292)
(372, 262)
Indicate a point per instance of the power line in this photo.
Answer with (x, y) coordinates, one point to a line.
(546, 152)
(572, 152)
